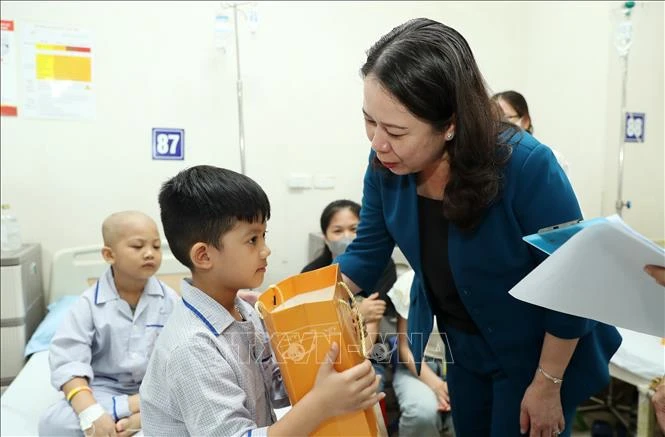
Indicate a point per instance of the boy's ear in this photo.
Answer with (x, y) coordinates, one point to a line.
(108, 255)
(199, 256)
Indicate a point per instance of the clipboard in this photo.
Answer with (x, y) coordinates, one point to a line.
(592, 261)
(549, 239)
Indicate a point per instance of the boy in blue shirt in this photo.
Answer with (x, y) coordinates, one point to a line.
(212, 371)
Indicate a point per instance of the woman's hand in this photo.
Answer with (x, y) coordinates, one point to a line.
(541, 413)
(658, 400)
(656, 272)
(372, 308)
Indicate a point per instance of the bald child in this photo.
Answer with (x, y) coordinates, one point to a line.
(100, 351)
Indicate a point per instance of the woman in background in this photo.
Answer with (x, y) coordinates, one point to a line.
(516, 111)
(339, 221)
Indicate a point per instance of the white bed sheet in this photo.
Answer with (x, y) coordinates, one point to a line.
(641, 354)
(30, 394)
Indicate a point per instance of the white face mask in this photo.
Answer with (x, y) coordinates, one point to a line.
(338, 247)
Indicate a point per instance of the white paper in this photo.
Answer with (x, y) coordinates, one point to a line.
(322, 295)
(57, 73)
(598, 274)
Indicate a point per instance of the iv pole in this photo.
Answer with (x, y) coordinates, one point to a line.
(241, 119)
(623, 43)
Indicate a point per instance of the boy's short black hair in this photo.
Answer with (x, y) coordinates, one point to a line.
(202, 203)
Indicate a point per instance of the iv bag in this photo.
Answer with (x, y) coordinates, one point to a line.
(624, 37)
(222, 32)
(253, 19)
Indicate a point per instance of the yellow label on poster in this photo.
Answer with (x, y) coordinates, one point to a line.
(76, 68)
(50, 47)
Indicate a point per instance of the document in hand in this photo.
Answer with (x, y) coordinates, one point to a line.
(595, 270)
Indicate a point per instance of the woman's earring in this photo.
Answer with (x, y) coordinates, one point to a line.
(450, 136)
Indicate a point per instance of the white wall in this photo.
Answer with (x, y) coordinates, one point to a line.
(566, 87)
(156, 66)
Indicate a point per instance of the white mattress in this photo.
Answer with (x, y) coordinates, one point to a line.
(27, 397)
(30, 394)
(641, 354)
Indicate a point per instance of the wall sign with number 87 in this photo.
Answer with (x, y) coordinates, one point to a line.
(168, 143)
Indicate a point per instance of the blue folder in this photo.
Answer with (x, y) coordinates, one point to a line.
(550, 239)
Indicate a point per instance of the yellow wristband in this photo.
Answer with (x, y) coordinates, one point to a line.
(77, 390)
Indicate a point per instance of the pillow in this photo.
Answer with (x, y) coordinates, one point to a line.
(41, 339)
(400, 293)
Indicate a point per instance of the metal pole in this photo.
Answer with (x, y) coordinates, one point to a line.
(623, 42)
(620, 203)
(241, 121)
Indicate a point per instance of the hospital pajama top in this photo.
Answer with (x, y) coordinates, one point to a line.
(102, 340)
(210, 374)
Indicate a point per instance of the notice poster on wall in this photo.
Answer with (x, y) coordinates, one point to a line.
(57, 73)
(8, 70)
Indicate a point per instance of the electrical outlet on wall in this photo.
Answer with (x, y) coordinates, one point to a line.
(323, 182)
(300, 181)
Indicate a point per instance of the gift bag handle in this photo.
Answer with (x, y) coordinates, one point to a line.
(356, 312)
(258, 305)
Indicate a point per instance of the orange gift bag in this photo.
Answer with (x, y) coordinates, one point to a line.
(304, 315)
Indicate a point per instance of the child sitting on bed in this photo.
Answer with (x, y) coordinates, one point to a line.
(212, 372)
(100, 351)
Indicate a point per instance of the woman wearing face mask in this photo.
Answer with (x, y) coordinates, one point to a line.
(339, 221)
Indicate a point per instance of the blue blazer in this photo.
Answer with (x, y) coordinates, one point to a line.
(486, 264)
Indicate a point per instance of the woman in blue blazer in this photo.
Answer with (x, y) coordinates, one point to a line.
(456, 189)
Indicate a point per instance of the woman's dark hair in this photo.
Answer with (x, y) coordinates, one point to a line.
(333, 208)
(431, 70)
(518, 102)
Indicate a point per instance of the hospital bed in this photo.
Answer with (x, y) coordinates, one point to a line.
(72, 272)
(639, 360)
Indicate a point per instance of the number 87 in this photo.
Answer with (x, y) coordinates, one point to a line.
(163, 143)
